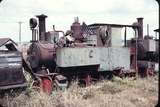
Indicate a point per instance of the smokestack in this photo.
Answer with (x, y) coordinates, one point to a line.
(140, 28)
(42, 26)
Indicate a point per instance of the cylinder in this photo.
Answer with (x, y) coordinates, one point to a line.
(140, 28)
(42, 26)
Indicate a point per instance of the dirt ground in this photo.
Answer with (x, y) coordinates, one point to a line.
(117, 92)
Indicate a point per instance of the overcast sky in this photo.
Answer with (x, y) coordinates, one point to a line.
(61, 13)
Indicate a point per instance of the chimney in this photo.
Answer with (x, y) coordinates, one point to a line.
(42, 26)
(140, 28)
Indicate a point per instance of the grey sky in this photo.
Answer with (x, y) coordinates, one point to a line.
(62, 12)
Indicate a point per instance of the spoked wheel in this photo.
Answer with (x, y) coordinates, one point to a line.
(43, 83)
(46, 85)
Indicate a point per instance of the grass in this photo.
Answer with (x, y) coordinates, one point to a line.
(115, 93)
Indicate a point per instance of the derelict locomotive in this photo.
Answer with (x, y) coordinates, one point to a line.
(86, 52)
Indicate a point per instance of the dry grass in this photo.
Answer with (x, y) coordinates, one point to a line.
(115, 93)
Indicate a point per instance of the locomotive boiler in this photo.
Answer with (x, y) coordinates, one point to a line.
(41, 52)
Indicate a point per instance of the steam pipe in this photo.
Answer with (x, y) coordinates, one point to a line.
(42, 26)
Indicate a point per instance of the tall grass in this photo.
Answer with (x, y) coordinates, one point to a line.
(115, 93)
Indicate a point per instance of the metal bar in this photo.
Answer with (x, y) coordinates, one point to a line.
(20, 23)
(136, 46)
(34, 36)
(125, 35)
(112, 25)
(147, 29)
(140, 28)
(13, 86)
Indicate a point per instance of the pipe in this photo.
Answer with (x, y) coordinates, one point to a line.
(140, 28)
(42, 26)
(34, 37)
(136, 52)
(125, 36)
(147, 29)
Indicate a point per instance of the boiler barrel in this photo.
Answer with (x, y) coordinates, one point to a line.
(41, 54)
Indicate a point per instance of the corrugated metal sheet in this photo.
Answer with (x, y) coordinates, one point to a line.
(10, 59)
(11, 72)
(5, 40)
(11, 69)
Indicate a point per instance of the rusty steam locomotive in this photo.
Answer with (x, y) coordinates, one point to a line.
(87, 52)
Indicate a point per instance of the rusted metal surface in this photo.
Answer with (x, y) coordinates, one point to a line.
(146, 49)
(11, 73)
(47, 85)
(140, 28)
(77, 30)
(3, 41)
(42, 27)
(133, 58)
(146, 64)
(108, 34)
(41, 54)
(92, 40)
(112, 25)
(146, 68)
(87, 79)
(85, 49)
(104, 34)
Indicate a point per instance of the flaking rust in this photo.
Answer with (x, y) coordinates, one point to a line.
(11, 69)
